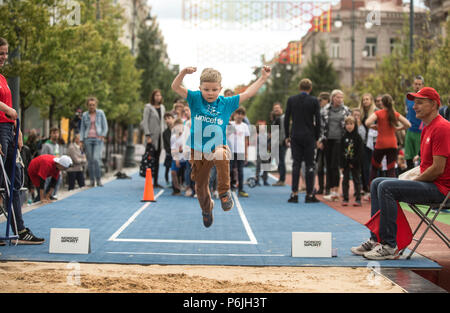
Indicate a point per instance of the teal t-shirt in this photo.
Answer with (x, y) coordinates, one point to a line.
(209, 120)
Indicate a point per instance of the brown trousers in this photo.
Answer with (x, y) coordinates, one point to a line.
(201, 166)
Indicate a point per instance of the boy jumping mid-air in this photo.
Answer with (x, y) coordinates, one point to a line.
(210, 114)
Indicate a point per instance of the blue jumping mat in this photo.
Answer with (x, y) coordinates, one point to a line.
(256, 232)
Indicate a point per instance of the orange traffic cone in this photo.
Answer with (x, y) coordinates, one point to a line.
(149, 196)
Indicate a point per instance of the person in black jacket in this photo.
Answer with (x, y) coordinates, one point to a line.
(169, 119)
(305, 112)
(351, 159)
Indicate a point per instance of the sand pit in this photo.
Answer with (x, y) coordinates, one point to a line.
(39, 277)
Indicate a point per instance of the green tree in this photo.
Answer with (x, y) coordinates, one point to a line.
(320, 71)
(152, 60)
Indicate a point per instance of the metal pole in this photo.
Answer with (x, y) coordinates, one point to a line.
(129, 152)
(411, 30)
(353, 43)
(14, 82)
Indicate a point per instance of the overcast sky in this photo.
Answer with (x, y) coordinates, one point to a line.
(233, 52)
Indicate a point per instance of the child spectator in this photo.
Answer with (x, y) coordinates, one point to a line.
(262, 156)
(356, 113)
(52, 147)
(76, 171)
(167, 133)
(238, 135)
(351, 160)
(177, 141)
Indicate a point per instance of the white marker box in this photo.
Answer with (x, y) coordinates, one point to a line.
(311, 245)
(70, 240)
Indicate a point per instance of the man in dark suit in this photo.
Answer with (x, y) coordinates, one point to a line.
(305, 112)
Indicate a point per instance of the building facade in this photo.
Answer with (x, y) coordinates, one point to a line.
(373, 27)
(135, 13)
(439, 10)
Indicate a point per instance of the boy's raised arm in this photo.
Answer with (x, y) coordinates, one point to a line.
(253, 88)
(177, 84)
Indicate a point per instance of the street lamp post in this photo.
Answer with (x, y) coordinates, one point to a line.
(129, 152)
(14, 82)
(411, 29)
(353, 42)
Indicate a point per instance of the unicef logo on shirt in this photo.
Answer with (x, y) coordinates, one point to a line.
(207, 119)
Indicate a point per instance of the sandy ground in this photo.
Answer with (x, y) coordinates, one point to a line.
(19, 277)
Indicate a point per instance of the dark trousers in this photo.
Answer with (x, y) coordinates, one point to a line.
(156, 173)
(7, 142)
(168, 165)
(282, 162)
(303, 150)
(356, 174)
(75, 177)
(332, 155)
(265, 174)
(385, 192)
(238, 163)
(321, 165)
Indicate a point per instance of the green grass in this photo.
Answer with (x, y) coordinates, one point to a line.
(443, 217)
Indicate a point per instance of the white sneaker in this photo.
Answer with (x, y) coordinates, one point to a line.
(188, 192)
(333, 196)
(364, 247)
(382, 252)
(216, 194)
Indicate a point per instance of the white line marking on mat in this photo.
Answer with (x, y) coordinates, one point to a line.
(247, 227)
(198, 254)
(229, 242)
(133, 217)
(273, 177)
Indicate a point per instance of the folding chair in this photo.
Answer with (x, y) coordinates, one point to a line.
(429, 221)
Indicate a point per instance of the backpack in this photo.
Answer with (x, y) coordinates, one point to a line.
(148, 160)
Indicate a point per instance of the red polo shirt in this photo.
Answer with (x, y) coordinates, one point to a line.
(6, 98)
(43, 167)
(435, 140)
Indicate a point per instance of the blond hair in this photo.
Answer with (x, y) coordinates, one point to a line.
(350, 119)
(334, 93)
(366, 113)
(210, 75)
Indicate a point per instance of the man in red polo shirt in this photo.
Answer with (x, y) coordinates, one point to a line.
(44, 166)
(432, 185)
(8, 117)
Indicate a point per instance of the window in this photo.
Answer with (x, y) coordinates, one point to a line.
(335, 53)
(370, 49)
(394, 43)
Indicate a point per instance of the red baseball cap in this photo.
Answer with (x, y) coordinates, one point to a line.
(425, 93)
